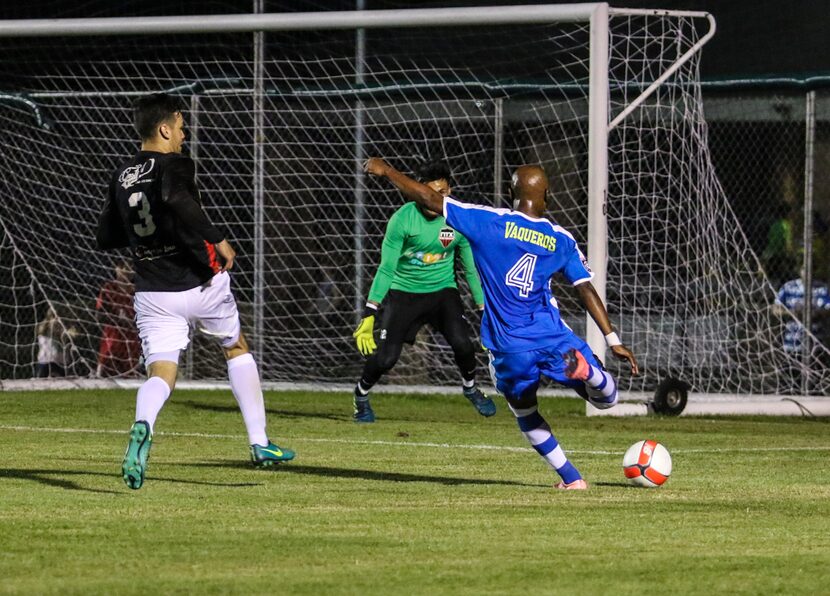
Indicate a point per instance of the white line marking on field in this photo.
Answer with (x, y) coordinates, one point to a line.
(400, 443)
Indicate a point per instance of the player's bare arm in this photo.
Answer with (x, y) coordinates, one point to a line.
(411, 189)
(227, 253)
(593, 304)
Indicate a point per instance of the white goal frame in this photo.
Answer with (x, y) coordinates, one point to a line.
(596, 14)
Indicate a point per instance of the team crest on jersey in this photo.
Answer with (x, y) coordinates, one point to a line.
(132, 175)
(446, 236)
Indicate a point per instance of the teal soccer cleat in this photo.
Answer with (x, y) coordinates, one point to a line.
(363, 411)
(270, 455)
(482, 403)
(137, 454)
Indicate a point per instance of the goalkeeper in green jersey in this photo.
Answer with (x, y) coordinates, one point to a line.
(416, 284)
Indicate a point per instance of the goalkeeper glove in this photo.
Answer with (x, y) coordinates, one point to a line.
(364, 335)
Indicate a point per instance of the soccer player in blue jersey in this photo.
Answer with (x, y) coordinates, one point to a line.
(516, 253)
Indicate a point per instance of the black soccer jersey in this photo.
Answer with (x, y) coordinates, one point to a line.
(154, 207)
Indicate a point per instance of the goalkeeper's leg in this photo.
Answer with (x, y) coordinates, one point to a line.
(401, 317)
(450, 321)
(376, 366)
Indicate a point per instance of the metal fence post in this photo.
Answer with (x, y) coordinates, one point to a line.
(259, 188)
(807, 276)
(359, 152)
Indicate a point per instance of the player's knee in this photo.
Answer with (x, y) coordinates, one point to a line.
(237, 348)
(463, 349)
(386, 359)
(520, 395)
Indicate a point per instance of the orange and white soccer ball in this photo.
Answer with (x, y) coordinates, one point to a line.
(647, 463)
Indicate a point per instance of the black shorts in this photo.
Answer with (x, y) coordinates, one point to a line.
(404, 313)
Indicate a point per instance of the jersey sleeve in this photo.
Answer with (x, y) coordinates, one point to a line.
(179, 193)
(390, 253)
(576, 268)
(471, 220)
(110, 232)
(470, 273)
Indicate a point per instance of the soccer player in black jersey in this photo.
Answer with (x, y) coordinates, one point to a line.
(181, 264)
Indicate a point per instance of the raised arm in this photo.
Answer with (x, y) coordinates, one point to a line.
(411, 189)
(390, 254)
(470, 273)
(595, 307)
(110, 232)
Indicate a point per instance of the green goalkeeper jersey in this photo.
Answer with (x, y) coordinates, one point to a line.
(418, 256)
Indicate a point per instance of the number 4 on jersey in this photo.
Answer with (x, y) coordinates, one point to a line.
(521, 274)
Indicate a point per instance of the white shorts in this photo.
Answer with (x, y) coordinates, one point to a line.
(164, 319)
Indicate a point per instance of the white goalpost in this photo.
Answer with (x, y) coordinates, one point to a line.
(284, 107)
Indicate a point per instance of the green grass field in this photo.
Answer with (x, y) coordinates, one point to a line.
(431, 499)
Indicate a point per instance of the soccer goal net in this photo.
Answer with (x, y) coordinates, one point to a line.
(278, 124)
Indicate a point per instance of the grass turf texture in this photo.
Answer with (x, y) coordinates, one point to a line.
(375, 510)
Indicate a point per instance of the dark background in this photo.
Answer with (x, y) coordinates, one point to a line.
(759, 38)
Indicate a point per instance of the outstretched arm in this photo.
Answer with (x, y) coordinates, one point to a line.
(467, 261)
(595, 307)
(390, 254)
(411, 189)
(110, 231)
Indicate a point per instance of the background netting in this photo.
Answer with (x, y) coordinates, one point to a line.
(684, 287)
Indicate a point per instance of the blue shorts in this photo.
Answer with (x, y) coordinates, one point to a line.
(517, 375)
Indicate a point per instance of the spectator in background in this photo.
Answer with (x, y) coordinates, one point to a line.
(52, 337)
(779, 258)
(791, 297)
(821, 247)
(119, 348)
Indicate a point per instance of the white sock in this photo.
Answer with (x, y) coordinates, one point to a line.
(601, 382)
(468, 384)
(151, 397)
(244, 377)
(537, 432)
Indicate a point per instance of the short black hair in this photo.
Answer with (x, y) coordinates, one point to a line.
(433, 170)
(150, 111)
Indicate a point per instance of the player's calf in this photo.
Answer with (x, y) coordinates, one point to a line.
(538, 434)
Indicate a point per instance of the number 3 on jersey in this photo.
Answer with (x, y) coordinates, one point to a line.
(145, 225)
(521, 274)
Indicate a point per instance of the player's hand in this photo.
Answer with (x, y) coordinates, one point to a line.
(623, 353)
(227, 253)
(364, 336)
(375, 166)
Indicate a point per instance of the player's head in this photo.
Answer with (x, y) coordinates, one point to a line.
(436, 175)
(529, 187)
(159, 122)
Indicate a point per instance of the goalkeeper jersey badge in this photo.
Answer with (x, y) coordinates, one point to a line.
(446, 236)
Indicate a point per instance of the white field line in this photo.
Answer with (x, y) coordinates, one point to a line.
(401, 443)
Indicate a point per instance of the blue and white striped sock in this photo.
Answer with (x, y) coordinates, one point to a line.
(602, 386)
(537, 431)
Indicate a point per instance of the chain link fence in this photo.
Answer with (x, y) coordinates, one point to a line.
(759, 144)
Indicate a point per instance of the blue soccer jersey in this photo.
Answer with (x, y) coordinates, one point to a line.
(516, 255)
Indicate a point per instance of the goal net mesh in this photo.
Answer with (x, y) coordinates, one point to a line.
(684, 288)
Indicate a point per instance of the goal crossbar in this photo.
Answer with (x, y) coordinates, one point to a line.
(248, 23)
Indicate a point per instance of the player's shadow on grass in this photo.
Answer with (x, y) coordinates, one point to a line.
(282, 413)
(615, 484)
(47, 477)
(373, 475)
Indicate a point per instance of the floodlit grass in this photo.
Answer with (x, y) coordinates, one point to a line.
(422, 502)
